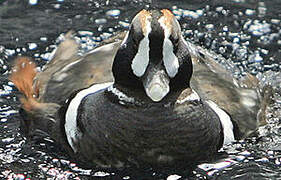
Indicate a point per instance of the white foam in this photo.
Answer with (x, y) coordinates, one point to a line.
(71, 130)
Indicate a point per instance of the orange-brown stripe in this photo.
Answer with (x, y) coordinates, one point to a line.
(168, 18)
(143, 16)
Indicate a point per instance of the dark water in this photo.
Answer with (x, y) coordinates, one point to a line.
(247, 32)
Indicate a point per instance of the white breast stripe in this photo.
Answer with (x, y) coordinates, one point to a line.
(71, 130)
(141, 60)
(171, 61)
(225, 121)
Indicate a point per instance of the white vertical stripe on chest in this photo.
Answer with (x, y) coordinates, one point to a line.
(171, 61)
(71, 130)
(141, 60)
(225, 122)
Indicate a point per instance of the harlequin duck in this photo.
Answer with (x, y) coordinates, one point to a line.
(149, 114)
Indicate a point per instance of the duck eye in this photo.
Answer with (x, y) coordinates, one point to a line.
(175, 40)
(136, 40)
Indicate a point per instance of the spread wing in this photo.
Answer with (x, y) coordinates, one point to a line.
(68, 72)
(239, 97)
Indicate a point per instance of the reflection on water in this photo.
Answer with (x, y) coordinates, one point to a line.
(246, 32)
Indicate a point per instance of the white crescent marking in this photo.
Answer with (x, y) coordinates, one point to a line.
(71, 130)
(225, 121)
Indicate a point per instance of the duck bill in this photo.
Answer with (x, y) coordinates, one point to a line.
(156, 85)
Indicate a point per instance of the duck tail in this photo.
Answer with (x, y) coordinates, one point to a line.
(23, 74)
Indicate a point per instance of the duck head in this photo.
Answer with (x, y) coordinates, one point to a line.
(153, 56)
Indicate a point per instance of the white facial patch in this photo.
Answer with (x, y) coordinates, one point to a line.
(225, 122)
(171, 61)
(141, 60)
(71, 130)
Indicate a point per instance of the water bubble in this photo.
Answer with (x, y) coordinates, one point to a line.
(65, 162)
(10, 52)
(82, 171)
(113, 12)
(270, 152)
(7, 140)
(225, 28)
(219, 9)
(236, 40)
(258, 29)
(255, 57)
(209, 26)
(264, 160)
(19, 177)
(200, 12)
(3, 120)
(173, 177)
(264, 51)
(206, 166)
(53, 172)
(124, 24)
(177, 12)
(241, 53)
(225, 12)
(111, 30)
(211, 173)
(191, 14)
(33, 2)
(245, 153)
(32, 46)
(7, 113)
(72, 165)
(25, 160)
(262, 9)
(101, 21)
(105, 35)
(249, 12)
(275, 21)
(43, 39)
(240, 158)
(222, 50)
(86, 33)
(57, 6)
(46, 56)
(101, 174)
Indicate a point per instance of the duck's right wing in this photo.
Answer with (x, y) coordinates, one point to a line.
(68, 72)
(239, 97)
